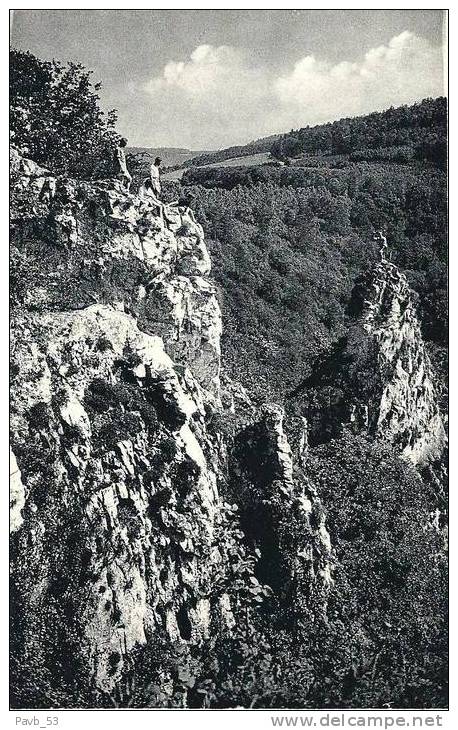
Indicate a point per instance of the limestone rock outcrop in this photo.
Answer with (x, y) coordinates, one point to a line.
(280, 509)
(90, 243)
(124, 514)
(406, 412)
(17, 495)
(379, 378)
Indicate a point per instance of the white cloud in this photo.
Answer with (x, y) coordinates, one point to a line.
(405, 70)
(211, 100)
(219, 97)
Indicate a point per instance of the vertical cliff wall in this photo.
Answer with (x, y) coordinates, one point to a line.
(379, 377)
(404, 409)
(121, 528)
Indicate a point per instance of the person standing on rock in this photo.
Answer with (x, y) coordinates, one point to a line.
(383, 243)
(122, 173)
(156, 176)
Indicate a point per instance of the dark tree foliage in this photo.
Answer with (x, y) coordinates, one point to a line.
(55, 117)
(421, 127)
(288, 243)
(387, 638)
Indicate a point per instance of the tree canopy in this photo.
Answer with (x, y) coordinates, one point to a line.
(419, 131)
(56, 117)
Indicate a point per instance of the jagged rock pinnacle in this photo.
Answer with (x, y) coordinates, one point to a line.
(403, 407)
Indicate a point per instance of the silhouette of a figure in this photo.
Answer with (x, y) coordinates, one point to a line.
(155, 174)
(383, 244)
(122, 173)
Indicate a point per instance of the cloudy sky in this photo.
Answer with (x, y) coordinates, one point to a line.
(205, 79)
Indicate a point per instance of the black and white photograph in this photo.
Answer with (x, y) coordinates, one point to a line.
(228, 364)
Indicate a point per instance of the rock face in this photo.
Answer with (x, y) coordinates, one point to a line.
(280, 509)
(379, 378)
(119, 444)
(17, 495)
(122, 529)
(92, 244)
(407, 415)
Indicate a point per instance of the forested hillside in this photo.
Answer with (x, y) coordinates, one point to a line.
(252, 148)
(288, 243)
(398, 134)
(418, 131)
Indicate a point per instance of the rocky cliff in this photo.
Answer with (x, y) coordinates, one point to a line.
(151, 500)
(406, 413)
(379, 377)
